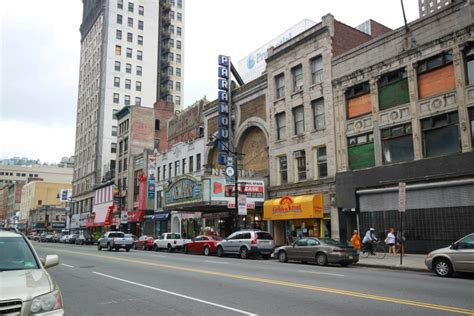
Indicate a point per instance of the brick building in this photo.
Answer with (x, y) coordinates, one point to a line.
(404, 112)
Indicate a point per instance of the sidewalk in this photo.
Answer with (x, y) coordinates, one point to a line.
(410, 262)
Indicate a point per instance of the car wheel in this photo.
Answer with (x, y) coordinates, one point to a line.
(321, 259)
(220, 251)
(207, 251)
(282, 256)
(185, 249)
(109, 247)
(442, 267)
(155, 247)
(244, 253)
(99, 247)
(169, 248)
(127, 249)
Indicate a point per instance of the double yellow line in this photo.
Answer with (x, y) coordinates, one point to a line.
(288, 284)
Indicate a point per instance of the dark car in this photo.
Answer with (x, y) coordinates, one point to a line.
(319, 250)
(205, 245)
(83, 239)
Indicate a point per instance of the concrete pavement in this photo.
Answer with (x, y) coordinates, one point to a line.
(409, 262)
(149, 283)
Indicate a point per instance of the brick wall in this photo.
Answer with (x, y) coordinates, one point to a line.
(346, 38)
(163, 112)
(253, 108)
(378, 29)
(212, 125)
(255, 147)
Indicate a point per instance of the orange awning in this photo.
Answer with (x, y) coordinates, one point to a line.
(298, 207)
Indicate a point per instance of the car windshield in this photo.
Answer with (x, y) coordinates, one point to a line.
(174, 236)
(332, 242)
(116, 235)
(16, 254)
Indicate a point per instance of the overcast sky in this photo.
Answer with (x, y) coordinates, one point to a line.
(40, 44)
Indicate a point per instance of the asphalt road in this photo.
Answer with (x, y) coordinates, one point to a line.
(158, 283)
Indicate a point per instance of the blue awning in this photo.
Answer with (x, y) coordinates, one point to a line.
(159, 216)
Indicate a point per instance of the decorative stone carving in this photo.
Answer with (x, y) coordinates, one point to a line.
(359, 125)
(392, 116)
(439, 103)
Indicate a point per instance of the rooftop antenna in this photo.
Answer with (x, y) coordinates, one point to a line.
(404, 16)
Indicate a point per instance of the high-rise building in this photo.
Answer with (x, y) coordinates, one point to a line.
(427, 7)
(120, 65)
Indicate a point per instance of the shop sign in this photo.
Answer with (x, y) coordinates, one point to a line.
(135, 216)
(216, 215)
(184, 190)
(151, 176)
(75, 221)
(223, 192)
(223, 107)
(142, 192)
(108, 218)
(299, 207)
(242, 204)
(58, 225)
(123, 217)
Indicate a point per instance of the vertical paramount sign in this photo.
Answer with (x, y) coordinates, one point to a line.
(223, 108)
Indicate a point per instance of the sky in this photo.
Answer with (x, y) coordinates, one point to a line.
(40, 45)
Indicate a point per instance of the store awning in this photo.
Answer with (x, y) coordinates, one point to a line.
(297, 207)
(158, 216)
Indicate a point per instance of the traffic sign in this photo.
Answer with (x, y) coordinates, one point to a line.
(402, 196)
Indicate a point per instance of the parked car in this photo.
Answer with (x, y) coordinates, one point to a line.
(205, 245)
(246, 243)
(114, 240)
(26, 287)
(72, 238)
(63, 238)
(459, 257)
(46, 237)
(319, 250)
(56, 237)
(144, 242)
(131, 236)
(170, 242)
(84, 239)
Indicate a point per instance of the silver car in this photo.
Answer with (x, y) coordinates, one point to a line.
(459, 257)
(26, 288)
(246, 243)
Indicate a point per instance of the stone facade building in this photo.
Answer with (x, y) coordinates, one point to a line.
(404, 112)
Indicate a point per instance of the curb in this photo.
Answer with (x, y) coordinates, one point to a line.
(392, 267)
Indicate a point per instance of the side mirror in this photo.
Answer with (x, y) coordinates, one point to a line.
(454, 246)
(51, 261)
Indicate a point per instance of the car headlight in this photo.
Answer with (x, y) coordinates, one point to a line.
(47, 302)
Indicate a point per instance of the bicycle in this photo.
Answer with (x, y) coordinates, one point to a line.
(379, 250)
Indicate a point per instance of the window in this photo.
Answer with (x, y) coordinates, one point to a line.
(141, 10)
(129, 52)
(191, 166)
(361, 151)
(178, 58)
(171, 29)
(170, 57)
(281, 125)
(139, 55)
(319, 121)
(180, 17)
(129, 37)
(297, 73)
(171, 15)
(140, 25)
(128, 68)
(113, 148)
(125, 164)
(117, 66)
(170, 86)
(114, 113)
(157, 125)
(130, 22)
(198, 162)
(471, 118)
(130, 7)
(139, 70)
(170, 71)
(298, 118)
(178, 44)
(321, 162)
(358, 100)
(180, 3)
(119, 4)
(118, 34)
(176, 168)
(125, 145)
(170, 169)
(128, 84)
(280, 86)
(116, 98)
(283, 169)
(178, 86)
(114, 130)
(127, 100)
(117, 82)
(436, 75)
(138, 101)
(177, 100)
(158, 173)
(119, 19)
(397, 143)
(441, 135)
(164, 172)
(302, 242)
(138, 86)
(118, 50)
(140, 40)
(171, 43)
(183, 166)
(178, 31)
(316, 70)
(469, 58)
(300, 157)
(178, 72)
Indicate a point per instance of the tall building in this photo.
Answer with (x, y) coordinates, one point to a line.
(15, 173)
(427, 7)
(120, 65)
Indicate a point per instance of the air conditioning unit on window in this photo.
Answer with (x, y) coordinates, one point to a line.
(298, 154)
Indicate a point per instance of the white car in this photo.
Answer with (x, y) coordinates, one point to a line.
(26, 288)
(170, 242)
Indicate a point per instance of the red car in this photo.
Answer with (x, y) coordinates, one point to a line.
(205, 245)
(144, 242)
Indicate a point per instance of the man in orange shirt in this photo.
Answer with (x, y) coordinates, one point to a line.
(355, 240)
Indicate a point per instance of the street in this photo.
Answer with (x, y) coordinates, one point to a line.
(159, 283)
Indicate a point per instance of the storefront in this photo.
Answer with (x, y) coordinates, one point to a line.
(296, 217)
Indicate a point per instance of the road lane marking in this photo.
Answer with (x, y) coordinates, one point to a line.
(316, 272)
(66, 265)
(176, 294)
(388, 299)
(218, 262)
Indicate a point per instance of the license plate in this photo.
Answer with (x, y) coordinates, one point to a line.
(264, 242)
(351, 257)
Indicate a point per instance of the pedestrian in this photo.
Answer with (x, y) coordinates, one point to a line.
(401, 247)
(355, 240)
(390, 241)
(369, 240)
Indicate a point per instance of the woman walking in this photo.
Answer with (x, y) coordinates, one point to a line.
(390, 241)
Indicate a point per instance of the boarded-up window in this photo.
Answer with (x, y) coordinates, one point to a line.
(441, 135)
(393, 89)
(358, 100)
(436, 75)
(361, 151)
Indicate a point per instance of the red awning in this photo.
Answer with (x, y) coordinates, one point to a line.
(136, 216)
